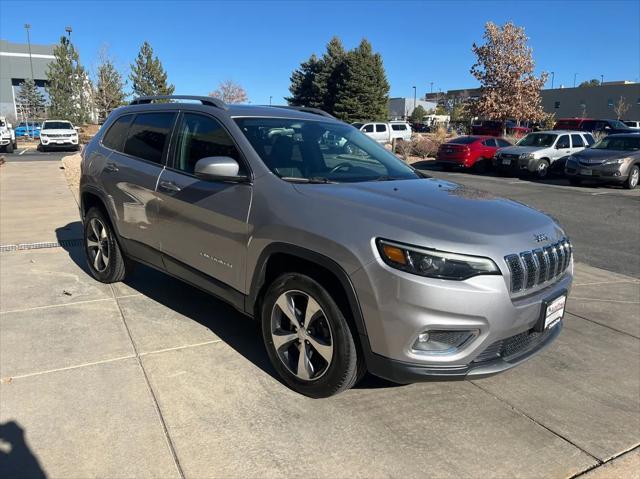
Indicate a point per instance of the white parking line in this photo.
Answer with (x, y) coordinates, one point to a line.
(23, 151)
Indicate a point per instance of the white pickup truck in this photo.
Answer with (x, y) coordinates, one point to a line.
(7, 136)
(386, 132)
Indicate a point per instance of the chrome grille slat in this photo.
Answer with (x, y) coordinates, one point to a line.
(532, 268)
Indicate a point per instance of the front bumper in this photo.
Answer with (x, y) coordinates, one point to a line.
(5, 141)
(602, 173)
(516, 165)
(61, 142)
(398, 306)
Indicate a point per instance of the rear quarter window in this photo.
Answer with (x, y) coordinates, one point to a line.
(117, 133)
(399, 127)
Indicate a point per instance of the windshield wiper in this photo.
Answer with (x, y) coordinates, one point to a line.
(385, 178)
(313, 179)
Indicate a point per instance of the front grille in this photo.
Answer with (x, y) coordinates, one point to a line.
(511, 348)
(509, 156)
(532, 268)
(58, 135)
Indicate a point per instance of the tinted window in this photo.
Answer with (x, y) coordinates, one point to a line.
(148, 136)
(57, 125)
(589, 138)
(368, 128)
(115, 136)
(538, 139)
(490, 142)
(399, 127)
(576, 140)
(201, 136)
(619, 143)
(502, 143)
(381, 128)
(563, 142)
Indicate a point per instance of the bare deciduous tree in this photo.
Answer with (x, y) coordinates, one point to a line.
(504, 68)
(230, 92)
(621, 107)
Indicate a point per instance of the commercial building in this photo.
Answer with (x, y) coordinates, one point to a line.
(401, 108)
(592, 102)
(16, 65)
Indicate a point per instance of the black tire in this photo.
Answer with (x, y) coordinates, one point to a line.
(9, 148)
(41, 147)
(542, 169)
(480, 166)
(115, 269)
(344, 369)
(632, 179)
(575, 181)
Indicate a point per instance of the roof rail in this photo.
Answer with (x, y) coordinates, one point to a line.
(308, 109)
(205, 100)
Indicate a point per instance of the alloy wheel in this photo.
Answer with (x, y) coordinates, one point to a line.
(301, 335)
(98, 245)
(635, 175)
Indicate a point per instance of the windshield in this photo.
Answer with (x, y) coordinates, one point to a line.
(57, 125)
(315, 151)
(538, 139)
(624, 143)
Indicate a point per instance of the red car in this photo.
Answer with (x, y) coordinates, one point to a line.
(469, 152)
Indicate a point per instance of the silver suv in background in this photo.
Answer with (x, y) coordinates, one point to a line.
(350, 260)
(538, 152)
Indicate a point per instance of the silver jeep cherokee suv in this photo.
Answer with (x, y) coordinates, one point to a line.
(351, 260)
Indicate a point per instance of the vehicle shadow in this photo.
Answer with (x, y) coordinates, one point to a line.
(237, 330)
(16, 458)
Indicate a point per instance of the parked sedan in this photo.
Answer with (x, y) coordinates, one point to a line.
(614, 159)
(29, 129)
(469, 152)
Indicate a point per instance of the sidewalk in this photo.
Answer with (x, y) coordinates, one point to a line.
(152, 378)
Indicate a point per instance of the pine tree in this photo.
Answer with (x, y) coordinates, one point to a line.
(69, 86)
(364, 90)
(109, 93)
(30, 99)
(148, 77)
(304, 87)
(331, 73)
(418, 114)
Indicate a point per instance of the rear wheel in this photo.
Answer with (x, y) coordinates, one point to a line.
(634, 176)
(9, 148)
(480, 166)
(104, 256)
(307, 337)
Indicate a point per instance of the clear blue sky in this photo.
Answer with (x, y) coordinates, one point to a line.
(259, 43)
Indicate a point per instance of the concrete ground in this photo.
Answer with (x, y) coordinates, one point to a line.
(152, 378)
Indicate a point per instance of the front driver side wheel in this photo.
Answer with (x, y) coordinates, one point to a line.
(632, 179)
(307, 337)
(104, 256)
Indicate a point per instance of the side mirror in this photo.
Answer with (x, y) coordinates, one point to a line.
(218, 168)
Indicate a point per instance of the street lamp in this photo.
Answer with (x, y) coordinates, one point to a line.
(553, 76)
(27, 26)
(575, 75)
(431, 87)
(270, 97)
(414, 98)
(68, 29)
(601, 79)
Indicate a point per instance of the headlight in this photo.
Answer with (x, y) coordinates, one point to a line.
(432, 263)
(527, 156)
(619, 161)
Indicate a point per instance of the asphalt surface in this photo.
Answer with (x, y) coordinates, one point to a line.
(602, 221)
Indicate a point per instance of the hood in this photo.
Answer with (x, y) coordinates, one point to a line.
(597, 156)
(431, 213)
(65, 131)
(519, 150)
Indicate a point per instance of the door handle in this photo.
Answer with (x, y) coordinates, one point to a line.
(169, 186)
(111, 167)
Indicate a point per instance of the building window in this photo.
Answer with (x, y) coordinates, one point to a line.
(610, 103)
(556, 105)
(638, 102)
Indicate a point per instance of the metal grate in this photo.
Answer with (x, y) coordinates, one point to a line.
(511, 348)
(533, 268)
(70, 243)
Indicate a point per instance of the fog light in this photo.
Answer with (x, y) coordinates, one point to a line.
(443, 342)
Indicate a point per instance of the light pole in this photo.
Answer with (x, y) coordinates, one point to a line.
(414, 99)
(575, 75)
(270, 97)
(553, 76)
(68, 29)
(601, 79)
(431, 87)
(27, 26)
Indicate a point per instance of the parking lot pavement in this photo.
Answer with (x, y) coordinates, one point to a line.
(153, 378)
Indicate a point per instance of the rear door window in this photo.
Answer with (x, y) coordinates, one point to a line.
(589, 138)
(149, 135)
(577, 141)
(381, 128)
(117, 133)
(399, 127)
